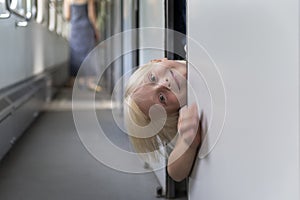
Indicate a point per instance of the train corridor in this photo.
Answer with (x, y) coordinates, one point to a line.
(50, 162)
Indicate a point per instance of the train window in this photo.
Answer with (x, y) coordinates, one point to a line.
(4, 13)
(21, 8)
(28, 9)
(59, 17)
(52, 15)
(65, 24)
(34, 8)
(45, 5)
(176, 20)
(40, 11)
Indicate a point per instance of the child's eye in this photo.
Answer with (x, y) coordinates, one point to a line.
(162, 98)
(152, 78)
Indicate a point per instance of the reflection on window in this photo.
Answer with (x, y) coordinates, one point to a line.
(19, 6)
(15, 4)
(34, 8)
(59, 16)
(4, 13)
(28, 9)
(65, 25)
(52, 15)
(40, 11)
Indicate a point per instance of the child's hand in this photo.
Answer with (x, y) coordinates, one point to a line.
(189, 126)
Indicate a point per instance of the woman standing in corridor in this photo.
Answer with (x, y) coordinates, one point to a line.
(83, 36)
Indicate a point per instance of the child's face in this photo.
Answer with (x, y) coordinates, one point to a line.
(165, 84)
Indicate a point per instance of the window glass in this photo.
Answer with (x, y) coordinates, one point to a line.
(59, 16)
(52, 15)
(21, 8)
(4, 13)
(65, 24)
(34, 8)
(40, 10)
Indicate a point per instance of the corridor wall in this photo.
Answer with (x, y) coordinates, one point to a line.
(28, 51)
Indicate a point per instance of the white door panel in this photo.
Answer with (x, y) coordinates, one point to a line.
(253, 47)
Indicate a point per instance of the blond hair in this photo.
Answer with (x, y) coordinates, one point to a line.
(149, 147)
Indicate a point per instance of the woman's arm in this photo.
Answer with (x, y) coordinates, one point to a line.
(92, 17)
(183, 155)
(67, 13)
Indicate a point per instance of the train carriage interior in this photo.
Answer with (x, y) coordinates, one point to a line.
(43, 156)
(62, 123)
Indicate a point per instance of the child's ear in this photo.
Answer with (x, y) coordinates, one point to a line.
(158, 60)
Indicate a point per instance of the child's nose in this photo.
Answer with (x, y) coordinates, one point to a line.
(165, 82)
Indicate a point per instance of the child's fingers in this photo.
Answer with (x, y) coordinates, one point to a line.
(187, 124)
(194, 109)
(188, 118)
(187, 112)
